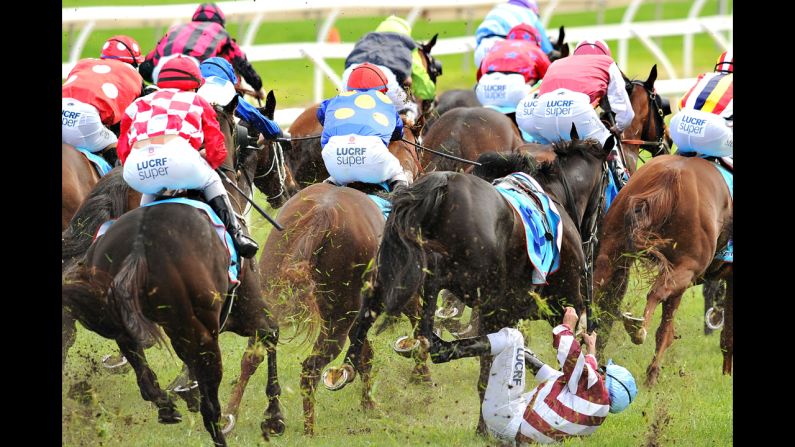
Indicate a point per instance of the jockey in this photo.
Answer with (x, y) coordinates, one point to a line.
(161, 135)
(94, 97)
(573, 401)
(391, 49)
(704, 125)
(223, 91)
(501, 19)
(358, 125)
(510, 69)
(572, 88)
(202, 38)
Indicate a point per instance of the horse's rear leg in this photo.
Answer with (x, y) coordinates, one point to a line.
(727, 334)
(147, 382)
(421, 372)
(610, 286)
(328, 345)
(668, 291)
(203, 357)
(252, 357)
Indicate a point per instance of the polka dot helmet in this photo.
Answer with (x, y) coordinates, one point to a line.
(181, 72)
(367, 77)
(592, 47)
(523, 31)
(122, 48)
(725, 62)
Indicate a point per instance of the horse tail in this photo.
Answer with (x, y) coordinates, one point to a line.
(107, 200)
(403, 255)
(126, 292)
(82, 293)
(648, 211)
(298, 301)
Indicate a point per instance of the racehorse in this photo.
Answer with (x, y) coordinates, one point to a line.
(454, 231)
(675, 213)
(321, 262)
(78, 177)
(647, 129)
(466, 132)
(303, 152)
(182, 275)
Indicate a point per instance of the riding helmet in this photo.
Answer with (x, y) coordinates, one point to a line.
(592, 47)
(180, 72)
(122, 48)
(367, 77)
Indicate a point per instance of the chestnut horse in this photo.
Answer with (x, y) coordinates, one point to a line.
(106, 298)
(78, 177)
(675, 213)
(321, 262)
(454, 231)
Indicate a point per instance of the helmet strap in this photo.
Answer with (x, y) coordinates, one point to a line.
(134, 63)
(622, 385)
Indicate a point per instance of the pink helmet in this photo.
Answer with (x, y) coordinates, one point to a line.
(523, 31)
(181, 72)
(725, 62)
(122, 48)
(592, 47)
(209, 12)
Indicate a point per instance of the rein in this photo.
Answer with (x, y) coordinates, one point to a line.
(290, 139)
(441, 154)
(278, 164)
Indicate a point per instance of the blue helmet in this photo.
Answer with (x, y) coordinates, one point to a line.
(220, 67)
(620, 385)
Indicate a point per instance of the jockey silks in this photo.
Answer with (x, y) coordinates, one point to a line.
(368, 113)
(705, 122)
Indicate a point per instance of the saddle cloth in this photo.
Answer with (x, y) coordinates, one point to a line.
(541, 220)
(726, 253)
(102, 166)
(220, 230)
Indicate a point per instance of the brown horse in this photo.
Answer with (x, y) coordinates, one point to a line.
(322, 261)
(454, 231)
(106, 298)
(467, 132)
(78, 177)
(676, 213)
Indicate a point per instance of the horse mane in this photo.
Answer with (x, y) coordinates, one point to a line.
(494, 165)
(107, 200)
(550, 169)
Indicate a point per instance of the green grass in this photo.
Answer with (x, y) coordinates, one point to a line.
(292, 80)
(691, 392)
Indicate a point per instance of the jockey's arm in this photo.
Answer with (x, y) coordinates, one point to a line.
(321, 111)
(214, 145)
(619, 100)
(397, 134)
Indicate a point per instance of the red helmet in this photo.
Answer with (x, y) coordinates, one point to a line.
(725, 62)
(592, 47)
(122, 48)
(367, 77)
(523, 31)
(209, 12)
(181, 72)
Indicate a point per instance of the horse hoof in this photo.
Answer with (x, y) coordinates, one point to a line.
(273, 427)
(168, 416)
(444, 313)
(115, 364)
(189, 394)
(336, 378)
(634, 327)
(467, 332)
(229, 425)
(711, 317)
(405, 345)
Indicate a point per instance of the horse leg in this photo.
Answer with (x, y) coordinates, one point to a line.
(147, 382)
(68, 334)
(727, 334)
(668, 291)
(708, 291)
(421, 372)
(274, 420)
(610, 287)
(203, 356)
(366, 366)
(182, 387)
(328, 345)
(252, 357)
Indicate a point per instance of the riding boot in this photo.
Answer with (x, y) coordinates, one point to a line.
(532, 362)
(245, 245)
(443, 351)
(618, 172)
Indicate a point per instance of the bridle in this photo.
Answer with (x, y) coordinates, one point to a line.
(657, 144)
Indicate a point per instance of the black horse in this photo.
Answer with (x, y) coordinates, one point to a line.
(142, 273)
(454, 231)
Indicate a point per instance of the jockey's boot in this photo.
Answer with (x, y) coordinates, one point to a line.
(245, 245)
(443, 351)
(532, 362)
(619, 173)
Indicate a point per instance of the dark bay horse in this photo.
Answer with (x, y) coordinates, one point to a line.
(78, 177)
(182, 276)
(454, 231)
(315, 271)
(675, 213)
(467, 132)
